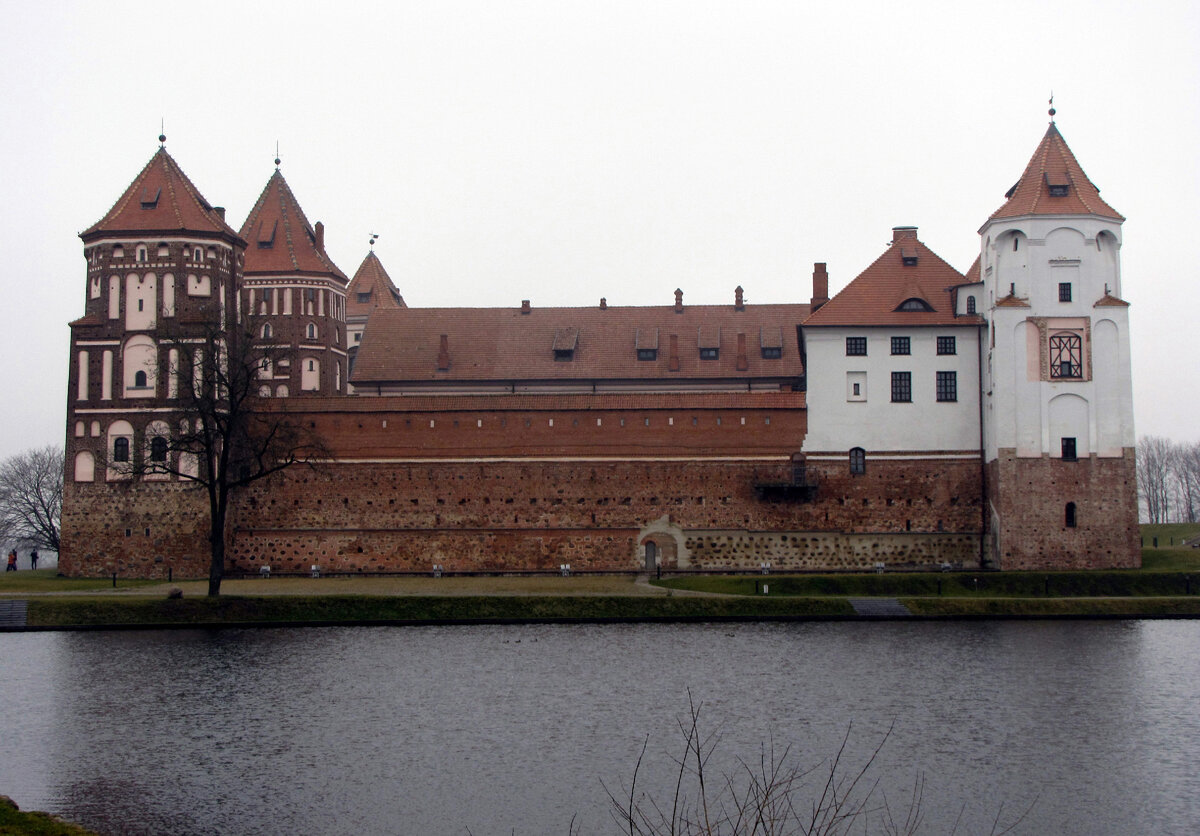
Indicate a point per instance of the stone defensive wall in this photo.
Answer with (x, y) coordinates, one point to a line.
(518, 482)
(1105, 533)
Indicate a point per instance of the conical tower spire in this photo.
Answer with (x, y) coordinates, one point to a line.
(1054, 184)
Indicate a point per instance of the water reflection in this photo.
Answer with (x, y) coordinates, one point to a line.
(437, 730)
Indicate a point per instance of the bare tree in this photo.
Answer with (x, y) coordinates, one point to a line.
(228, 432)
(772, 795)
(31, 491)
(1185, 473)
(1154, 477)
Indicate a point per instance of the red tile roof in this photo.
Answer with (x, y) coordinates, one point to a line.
(161, 199)
(876, 293)
(280, 240)
(1054, 164)
(504, 344)
(370, 277)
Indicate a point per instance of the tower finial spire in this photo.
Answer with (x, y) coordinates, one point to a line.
(374, 235)
(1052, 110)
(162, 133)
(277, 155)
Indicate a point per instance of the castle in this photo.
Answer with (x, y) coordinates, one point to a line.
(918, 418)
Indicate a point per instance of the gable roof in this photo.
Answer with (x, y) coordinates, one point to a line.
(161, 198)
(875, 295)
(280, 240)
(504, 344)
(1053, 165)
(370, 277)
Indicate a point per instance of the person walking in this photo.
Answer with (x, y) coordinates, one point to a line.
(33, 556)
(12, 561)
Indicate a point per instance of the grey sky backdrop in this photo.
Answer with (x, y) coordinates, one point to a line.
(562, 151)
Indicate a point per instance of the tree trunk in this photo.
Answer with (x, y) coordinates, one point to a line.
(217, 568)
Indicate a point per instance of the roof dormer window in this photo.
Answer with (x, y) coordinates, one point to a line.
(915, 304)
(565, 341)
(266, 236)
(364, 298)
(150, 200)
(908, 256)
(1057, 184)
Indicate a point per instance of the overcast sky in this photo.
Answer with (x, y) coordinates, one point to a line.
(562, 151)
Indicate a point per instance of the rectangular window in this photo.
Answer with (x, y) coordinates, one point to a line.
(708, 354)
(856, 346)
(946, 345)
(1064, 291)
(364, 298)
(772, 353)
(901, 387)
(647, 353)
(901, 345)
(1068, 450)
(947, 386)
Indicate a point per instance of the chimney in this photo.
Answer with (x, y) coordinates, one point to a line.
(738, 304)
(674, 359)
(525, 306)
(603, 304)
(742, 363)
(220, 210)
(901, 232)
(820, 285)
(320, 237)
(678, 300)
(444, 354)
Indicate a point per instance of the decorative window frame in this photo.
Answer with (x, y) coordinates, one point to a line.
(1048, 327)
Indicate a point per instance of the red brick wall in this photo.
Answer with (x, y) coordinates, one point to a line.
(1028, 500)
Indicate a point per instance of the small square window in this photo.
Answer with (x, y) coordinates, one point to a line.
(946, 345)
(1068, 450)
(901, 345)
(364, 298)
(1064, 291)
(856, 346)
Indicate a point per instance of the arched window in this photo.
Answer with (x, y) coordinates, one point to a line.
(158, 449)
(1070, 515)
(970, 304)
(266, 331)
(858, 461)
(139, 379)
(121, 449)
(311, 333)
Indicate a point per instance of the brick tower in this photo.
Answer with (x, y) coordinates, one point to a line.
(1058, 403)
(162, 270)
(294, 297)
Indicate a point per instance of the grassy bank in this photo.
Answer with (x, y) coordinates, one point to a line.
(17, 823)
(1130, 583)
(340, 609)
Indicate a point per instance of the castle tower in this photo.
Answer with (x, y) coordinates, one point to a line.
(162, 269)
(370, 288)
(294, 296)
(1058, 404)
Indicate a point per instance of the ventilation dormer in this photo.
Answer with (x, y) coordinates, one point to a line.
(266, 235)
(150, 199)
(565, 342)
(908, 256)
(1057, 183)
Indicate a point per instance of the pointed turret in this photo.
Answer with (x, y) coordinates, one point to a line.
(294, 295)
(161, 199)
(1054, 184)
(280, 239)
(370, 288)
(1057, 391)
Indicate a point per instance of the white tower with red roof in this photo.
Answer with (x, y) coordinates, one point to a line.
(1058, 405)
